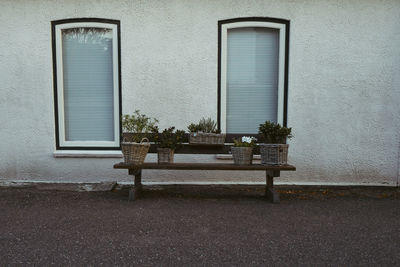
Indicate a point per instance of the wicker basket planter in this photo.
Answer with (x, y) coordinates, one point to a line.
(165, 155)
(206, 139)
(135, 153)
(242, 155)
(274, 154)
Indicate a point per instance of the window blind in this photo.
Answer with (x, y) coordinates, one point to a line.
(252, 78)
(88, 84)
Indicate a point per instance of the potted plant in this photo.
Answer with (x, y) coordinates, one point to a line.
(205, 132)
(275, 150)
(135, 143)
(168, 140)
(242, 150)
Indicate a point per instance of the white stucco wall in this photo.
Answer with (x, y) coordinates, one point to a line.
(344, 83)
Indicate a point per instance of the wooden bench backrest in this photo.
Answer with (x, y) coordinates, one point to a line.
(205, 149)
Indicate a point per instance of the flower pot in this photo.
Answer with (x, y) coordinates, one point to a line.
(274, 154)
(242, 155)
(206, 139)
(135, 153)
(165, 155)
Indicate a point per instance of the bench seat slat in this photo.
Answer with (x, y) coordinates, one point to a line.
(204, 166)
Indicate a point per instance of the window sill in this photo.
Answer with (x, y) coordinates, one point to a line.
(87, 154)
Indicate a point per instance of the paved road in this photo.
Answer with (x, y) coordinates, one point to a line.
(207, 227)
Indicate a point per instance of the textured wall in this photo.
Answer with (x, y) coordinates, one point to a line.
(344, 83)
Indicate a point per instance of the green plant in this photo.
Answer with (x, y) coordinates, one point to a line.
(194, 128)
(205, 125)
(245, 141)
(137, 125)
(274, 133)
(168, 138)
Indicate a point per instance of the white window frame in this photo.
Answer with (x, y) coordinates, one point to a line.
(281, 65)
(60, 86)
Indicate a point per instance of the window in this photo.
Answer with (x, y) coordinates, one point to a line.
(253, 66)
(86, 65)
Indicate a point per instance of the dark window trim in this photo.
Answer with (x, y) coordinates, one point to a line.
(286, 69)
(54, 53)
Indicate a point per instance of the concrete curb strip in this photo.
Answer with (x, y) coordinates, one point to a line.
(108, 186)
(65, 186)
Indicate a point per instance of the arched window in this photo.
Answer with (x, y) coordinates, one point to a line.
(87, 83)
(253, 66)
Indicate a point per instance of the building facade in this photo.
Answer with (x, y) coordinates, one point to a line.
(328, 69)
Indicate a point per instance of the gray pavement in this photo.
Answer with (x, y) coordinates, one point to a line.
(201, 226)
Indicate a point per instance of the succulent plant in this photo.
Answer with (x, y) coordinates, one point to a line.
(205, 126)
(168, 138)
(274, 133)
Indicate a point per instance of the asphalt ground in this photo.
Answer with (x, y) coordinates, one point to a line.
(201, 226)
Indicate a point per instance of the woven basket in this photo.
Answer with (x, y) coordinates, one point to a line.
(206, 139)
(135, 152)
(165, 155)
(274, 154)
(242, 155)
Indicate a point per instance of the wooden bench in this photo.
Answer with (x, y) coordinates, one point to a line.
(271, 173)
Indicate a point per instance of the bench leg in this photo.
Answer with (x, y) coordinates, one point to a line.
(270, 193)
(134, 192)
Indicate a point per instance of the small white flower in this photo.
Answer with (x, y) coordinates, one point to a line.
(246, 139)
